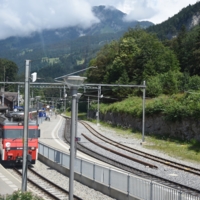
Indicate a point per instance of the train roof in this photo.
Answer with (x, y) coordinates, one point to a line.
(14, 118)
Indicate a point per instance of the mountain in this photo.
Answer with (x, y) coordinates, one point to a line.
(53, 46)
(188, 17)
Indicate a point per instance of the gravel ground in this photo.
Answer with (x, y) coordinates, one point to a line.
(88, 193)
(162, 171)
(133, 142)
(80, 190)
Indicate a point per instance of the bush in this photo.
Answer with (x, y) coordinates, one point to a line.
(18, 195)
(154, 87)
(194, 83)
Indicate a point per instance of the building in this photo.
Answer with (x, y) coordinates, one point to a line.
(8, 100)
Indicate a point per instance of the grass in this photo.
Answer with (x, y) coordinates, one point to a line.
(50, 60)
(80, 62)
(188, 151)
(24, 52)
(184, 150)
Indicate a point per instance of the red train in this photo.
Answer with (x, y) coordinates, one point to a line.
(11, 139)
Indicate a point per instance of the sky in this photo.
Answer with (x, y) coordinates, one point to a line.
(23, 17)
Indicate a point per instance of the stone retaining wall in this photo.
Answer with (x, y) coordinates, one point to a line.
(186, 129)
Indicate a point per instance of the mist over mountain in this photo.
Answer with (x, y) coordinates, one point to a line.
(72, 48)
(55, 43)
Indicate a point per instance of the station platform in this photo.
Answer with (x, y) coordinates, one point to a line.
(51, 135)
(8, 183)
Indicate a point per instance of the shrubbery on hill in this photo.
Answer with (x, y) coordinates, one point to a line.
(174, 108)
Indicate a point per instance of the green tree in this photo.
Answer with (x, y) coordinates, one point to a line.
(8, 72)
(194, 82)
(137, 56)
(154, 86)
(170, 82)
(123, 62)
(103, 61)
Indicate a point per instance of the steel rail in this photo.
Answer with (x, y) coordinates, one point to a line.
(164, 161)
(136, 171)
(121, 154)
(49, 182)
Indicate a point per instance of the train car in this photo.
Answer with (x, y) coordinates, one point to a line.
(11, 139)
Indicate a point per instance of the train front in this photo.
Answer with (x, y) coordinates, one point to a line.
(12, 138)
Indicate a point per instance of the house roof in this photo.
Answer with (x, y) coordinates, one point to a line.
(3, 107)
(11, 96)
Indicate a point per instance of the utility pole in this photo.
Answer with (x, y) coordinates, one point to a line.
(143, 112)
(64, 99)
(26, 120)
(88, 107)
(99, 93)
(18, 93)
(3, 88)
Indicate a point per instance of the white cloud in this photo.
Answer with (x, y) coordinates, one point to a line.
(140, 10)
(22, 17)
(155, 11)
(19, 17)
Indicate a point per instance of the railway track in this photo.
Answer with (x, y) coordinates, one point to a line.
(167, 162)
(44, 187)
(141, 173)
(134, 170)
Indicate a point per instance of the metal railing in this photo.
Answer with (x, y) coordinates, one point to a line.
(126, 183)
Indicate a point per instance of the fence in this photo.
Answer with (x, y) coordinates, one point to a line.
(132, 186)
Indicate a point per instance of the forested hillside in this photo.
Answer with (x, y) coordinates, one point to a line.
(187, 17)
(67, 48)
(168, 67)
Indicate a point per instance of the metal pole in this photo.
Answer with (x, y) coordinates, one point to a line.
(64, 97)
(18, 95)
(99, 92)
(143, 112)
(76, 127)
(3, 95)
(32, 100)
(72, 141)
(26, 119)
(88, 107)
(76, 124)
(37, 112)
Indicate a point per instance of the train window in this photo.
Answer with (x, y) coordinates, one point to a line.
(13, 133)
(33, 133)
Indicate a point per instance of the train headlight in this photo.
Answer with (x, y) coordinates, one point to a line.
(32, 148)
(7, 148)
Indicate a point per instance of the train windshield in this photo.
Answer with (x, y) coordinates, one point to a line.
(13, 133)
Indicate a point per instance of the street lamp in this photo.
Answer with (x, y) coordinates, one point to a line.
(26, 121)
(73, 83)
(76, 138)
